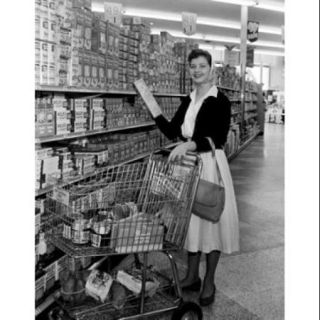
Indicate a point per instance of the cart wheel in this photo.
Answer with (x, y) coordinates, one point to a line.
(187, 311)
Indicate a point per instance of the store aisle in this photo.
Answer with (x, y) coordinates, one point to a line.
(250, 283)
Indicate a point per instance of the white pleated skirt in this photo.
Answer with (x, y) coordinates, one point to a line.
(204, 235)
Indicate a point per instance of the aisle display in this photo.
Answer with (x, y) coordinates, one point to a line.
(89, 118)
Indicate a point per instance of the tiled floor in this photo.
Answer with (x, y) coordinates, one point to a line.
(250, 283)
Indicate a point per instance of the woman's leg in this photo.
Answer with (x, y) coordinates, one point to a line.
(208, 283)
(193, 269)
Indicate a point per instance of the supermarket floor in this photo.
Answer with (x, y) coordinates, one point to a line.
(250, 283)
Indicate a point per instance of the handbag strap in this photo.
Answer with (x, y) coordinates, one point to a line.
(213, 148)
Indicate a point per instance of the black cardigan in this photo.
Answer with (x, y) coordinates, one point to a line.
(213, 120)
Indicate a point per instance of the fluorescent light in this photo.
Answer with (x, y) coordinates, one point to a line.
(168, 16)
(270, 5)
(271, 53)
(238, 2)
(258, 4)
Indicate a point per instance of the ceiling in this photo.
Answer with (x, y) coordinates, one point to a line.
(217, 22)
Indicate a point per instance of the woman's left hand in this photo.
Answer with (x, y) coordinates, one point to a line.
(181, 150)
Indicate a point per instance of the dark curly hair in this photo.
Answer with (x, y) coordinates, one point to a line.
(195, 53)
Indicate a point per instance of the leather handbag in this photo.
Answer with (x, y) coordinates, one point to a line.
(209, 200)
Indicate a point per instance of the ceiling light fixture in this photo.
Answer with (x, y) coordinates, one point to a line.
(258, 4)
(238, 2)
(271, 53)
(168, 16)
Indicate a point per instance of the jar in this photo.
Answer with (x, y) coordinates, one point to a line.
(101, 231)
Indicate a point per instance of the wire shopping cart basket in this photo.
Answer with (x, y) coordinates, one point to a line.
(134, 209)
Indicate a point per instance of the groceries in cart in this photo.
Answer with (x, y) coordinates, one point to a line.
(102, 287)
(134, 208)
(98, 285)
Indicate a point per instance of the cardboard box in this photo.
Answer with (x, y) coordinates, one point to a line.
(136, 234)
(87, 29)
(101, 72)
(86, 70)
(99, 44)
(94, 70)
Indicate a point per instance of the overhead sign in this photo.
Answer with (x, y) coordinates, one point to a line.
(250, 57)
(232, 58)
(252, 30)
(189, 23)
(113, 12)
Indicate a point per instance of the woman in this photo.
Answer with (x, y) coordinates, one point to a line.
(205, 113)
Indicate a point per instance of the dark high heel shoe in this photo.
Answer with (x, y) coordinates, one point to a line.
(208, 300)
(193, 286)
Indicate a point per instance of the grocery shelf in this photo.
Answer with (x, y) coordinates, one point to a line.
(117, 92)
(43, 191)
(102, 91)
(159, 94)
(91, 133)
(242, 147)
(82, 90)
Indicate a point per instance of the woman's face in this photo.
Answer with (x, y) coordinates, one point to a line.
(200, 70)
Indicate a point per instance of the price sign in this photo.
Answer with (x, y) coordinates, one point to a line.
(252, 31)
(232, 58)
(189, 23)
(113, 12)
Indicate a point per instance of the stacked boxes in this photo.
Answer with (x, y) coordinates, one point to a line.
(45, 47)
(84, 163)
(81, 115)
(181, 51)
(77, 48)
(44, 118)
(114, 108)
(74, 67)
(99, 44)
(65, 163)
(101, 71)
(98, 114)
(129, 53)
(62, 115)
(112, 56)
(136, 33)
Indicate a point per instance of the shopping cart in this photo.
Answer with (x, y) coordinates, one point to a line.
(139, 209)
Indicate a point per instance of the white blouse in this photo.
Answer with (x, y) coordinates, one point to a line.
(187, 127)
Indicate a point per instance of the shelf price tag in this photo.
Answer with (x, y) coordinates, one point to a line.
(189, 23)
(113, 12)
(148, 98)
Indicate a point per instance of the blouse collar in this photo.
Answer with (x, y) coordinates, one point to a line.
(213, 91)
